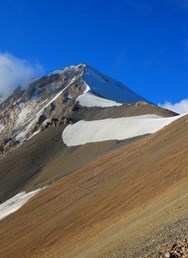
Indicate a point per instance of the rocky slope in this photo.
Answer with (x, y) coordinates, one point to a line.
(113, 165)
(38, 115)
(44, 102)
(114, 206)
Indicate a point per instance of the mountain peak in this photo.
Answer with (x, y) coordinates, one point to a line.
(54, 97)
(101, 85)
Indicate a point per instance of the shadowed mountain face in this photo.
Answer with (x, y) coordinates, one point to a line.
(110, 160)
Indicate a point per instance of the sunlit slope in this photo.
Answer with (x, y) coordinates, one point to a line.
(92, 211)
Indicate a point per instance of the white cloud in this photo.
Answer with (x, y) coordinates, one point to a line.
(180, 107)
(15, 72)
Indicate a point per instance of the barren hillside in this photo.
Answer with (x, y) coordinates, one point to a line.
(120, 205)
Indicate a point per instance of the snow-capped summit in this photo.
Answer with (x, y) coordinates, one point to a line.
(53, 95)
(61, 97)
(108, 88)
(100, 90)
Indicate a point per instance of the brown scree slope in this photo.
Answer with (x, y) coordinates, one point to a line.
(106, 207)
(24, 168)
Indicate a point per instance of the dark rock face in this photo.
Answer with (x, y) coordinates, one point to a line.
(6, 144)
(43, 103)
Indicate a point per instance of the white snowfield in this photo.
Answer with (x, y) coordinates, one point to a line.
(16, 202)
(90, 100)
(84, 132)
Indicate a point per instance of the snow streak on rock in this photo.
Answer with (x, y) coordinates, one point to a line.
(15, 203)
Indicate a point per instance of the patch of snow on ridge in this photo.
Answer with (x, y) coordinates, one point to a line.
(109, 88)
(90, 100)
(16, 202)
(84, 132)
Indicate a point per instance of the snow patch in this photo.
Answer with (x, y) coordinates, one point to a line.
(90, 100)
(84, 132)
(2, 127)
(16, 202)
(24, 114)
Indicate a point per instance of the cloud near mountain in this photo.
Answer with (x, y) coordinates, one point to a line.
(179, 107)
(14, 72)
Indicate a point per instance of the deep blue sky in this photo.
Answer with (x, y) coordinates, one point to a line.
(142, 43)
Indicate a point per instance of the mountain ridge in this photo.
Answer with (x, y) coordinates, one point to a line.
(53, 98)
